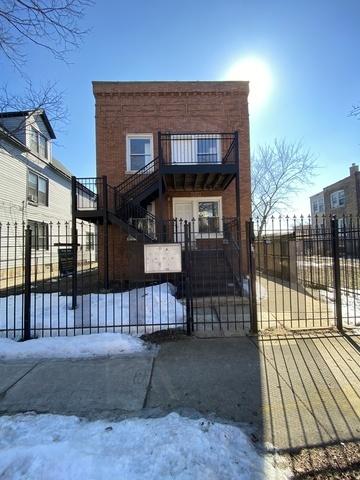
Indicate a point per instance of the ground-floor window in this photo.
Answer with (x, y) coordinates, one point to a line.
(39, 235)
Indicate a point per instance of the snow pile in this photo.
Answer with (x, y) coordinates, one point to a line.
(350, 305)
(82, 346)
(58, 447)
(136, 311)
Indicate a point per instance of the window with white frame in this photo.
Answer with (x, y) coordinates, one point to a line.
(318, 205)
(139, 151)
(337, 199)
(208, 217)
(38, 189)
(39, 143)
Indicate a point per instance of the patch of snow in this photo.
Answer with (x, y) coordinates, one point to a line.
(350, 305)
(261, 291)
(58, 447)
(82, 346)
(136, 311)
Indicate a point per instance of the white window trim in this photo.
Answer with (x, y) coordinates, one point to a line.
(130, 136)
(336, 195)
(194, 201)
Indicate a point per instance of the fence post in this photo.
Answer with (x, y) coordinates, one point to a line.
(250, 246)
(27, 290)
(189, 317)
(74, 247)
(337, 278)
(106, 231)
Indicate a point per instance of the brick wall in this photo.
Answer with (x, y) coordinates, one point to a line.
(148, 107)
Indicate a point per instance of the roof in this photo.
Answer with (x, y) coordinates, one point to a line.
(24, 113)
(59, 166)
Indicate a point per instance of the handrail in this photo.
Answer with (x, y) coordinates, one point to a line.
(151, 167)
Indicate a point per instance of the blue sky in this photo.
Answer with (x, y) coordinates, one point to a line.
(310, 47)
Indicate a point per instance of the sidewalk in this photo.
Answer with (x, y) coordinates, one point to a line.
(293, 391)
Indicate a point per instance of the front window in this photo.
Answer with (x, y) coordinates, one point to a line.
(39, 143)
(38, 188)
(208, 217)
(140, 151)
(39, 235)
(337, 199)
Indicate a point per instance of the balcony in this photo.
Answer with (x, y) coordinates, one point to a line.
(198, 161)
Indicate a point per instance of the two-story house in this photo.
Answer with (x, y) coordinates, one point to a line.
(166, 151)
(35, 189)
(342, 198)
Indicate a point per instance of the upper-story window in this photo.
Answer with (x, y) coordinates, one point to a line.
(38, 189)
(318, 205)
(139, 151)
(337, 199)
(39, 143)
(208, 150)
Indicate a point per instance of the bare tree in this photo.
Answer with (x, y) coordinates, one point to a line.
(53, 25)
(355, 111)
(49, 24)
(278, 172)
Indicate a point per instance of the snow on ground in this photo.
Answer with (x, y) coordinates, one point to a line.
(261, 291)
(154, 307)
(82, 346)
(350, 305)
(55, 447)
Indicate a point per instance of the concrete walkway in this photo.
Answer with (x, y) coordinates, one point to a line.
(293, 391)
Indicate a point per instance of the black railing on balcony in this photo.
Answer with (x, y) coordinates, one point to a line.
(89, 193)
(198, 148)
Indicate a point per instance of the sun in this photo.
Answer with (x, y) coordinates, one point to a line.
(258, 73)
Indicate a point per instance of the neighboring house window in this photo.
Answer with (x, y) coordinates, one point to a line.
(318, 205)
(39, 235)
(337, 199)
(90, 241)
(38, 189)
(208, 217)
(39, 143)
(139, 151)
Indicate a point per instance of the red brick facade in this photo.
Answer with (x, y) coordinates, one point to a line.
(124, 108)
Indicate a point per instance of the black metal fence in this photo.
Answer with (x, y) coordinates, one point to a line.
(308, 272)
(289, 274)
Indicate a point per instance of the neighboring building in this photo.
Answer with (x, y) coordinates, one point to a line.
(341, 198)
(35, 188)
(163, 146)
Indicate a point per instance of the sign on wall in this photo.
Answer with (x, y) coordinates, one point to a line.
(162, 258)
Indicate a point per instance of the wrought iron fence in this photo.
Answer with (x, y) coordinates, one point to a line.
(308, 272)
(290, 274)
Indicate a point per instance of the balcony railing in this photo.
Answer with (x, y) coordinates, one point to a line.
(198, 148)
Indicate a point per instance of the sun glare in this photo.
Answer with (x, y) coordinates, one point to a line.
(258, 73)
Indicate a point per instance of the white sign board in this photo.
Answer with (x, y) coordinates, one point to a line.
(162, 258)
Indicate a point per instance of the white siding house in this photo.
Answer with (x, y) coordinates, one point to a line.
(35, 188)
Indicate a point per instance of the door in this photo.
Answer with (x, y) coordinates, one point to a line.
(182, 211)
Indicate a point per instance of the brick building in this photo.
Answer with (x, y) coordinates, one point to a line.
(169, 150)
(342, 198)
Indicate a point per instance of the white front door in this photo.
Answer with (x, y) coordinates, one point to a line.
(182, 211)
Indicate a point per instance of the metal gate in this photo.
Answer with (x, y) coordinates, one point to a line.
(307, 273)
